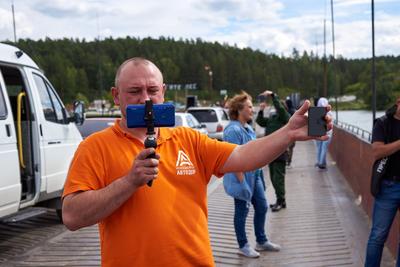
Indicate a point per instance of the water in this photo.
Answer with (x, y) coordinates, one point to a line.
(359, 118)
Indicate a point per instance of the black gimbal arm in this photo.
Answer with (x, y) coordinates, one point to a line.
(150, 140)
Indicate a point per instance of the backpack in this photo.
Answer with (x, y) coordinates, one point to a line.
(381, 165)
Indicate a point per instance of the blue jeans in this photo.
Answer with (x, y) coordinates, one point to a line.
(322, 149)
(385, 208)
(260, 211)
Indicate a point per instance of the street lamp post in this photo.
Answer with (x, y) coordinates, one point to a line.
(13, 18)
(333, 63)
(373, 74)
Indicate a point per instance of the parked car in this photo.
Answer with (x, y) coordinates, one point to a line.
(215, 118)
(91, 125)
(188, 120)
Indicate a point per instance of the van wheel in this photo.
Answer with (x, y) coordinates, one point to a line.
(59, 214)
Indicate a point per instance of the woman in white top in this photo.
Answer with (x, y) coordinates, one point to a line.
(322, 146)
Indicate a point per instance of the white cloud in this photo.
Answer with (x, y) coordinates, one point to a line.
(23, 24)
(267, 25)
(243, 10)
(347, 3)
(5, 23)
(70, 8)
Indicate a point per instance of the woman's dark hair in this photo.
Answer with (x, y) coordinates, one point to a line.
(236, 104)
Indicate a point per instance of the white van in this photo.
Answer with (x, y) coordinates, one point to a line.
(37, 136)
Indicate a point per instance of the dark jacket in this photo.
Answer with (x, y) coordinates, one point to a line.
(274, 122)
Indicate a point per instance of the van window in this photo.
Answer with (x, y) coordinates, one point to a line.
(57, 105)
(204, 115)
(3, 110)
(52, 107)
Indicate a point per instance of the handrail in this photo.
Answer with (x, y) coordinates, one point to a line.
(19, 122)
(364, 134)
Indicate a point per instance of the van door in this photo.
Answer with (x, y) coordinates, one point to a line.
(59, 138)
(21, 101)
(10, 186)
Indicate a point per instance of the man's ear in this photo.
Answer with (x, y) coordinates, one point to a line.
(163, 90)
(115, 94)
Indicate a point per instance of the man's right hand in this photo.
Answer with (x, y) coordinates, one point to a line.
(143, 169)
(84, 208)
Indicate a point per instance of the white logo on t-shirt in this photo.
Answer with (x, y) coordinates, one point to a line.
(183, 164)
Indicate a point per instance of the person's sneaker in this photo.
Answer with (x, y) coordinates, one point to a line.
(268, 246)
(248, 251)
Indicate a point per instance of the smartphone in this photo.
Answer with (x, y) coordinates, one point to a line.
(316, 121)
(261, 98)
(164, 115)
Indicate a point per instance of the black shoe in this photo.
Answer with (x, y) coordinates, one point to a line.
(272, 205)
(278, 206)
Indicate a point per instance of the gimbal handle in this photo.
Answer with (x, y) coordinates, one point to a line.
(151, 140)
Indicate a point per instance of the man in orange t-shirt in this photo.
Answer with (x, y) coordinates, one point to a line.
(166, 224)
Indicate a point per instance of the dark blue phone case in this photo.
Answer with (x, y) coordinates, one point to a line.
(164, 115)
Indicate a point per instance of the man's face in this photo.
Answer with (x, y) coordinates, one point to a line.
(138, 83)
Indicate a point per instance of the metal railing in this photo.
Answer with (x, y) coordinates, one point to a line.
(364, 134)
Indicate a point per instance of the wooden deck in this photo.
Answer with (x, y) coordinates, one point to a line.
(322, 226)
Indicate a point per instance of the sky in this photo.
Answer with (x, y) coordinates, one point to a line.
(271, 26)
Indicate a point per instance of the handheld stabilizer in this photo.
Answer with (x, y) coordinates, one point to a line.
(150, 116)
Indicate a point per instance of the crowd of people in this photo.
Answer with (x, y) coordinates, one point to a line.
(170, 218)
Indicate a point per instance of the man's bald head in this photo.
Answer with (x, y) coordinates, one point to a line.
(135, 62)
(136, 81)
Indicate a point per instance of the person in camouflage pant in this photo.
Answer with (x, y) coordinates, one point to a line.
(273, 122)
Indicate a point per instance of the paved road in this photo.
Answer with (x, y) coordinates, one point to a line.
(322, 226)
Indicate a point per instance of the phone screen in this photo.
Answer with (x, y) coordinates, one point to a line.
(316, 121)
(164, 115)
(261, 98)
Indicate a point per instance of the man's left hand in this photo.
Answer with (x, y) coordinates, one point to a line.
(298, 124)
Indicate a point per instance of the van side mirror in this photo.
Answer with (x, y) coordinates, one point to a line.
(79, 113)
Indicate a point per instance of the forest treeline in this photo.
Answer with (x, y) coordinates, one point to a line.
(81, 69)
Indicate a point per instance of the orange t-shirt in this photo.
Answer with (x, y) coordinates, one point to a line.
(162, 225)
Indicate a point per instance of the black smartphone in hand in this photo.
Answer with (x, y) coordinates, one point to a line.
(317, 125)
(261, 98)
